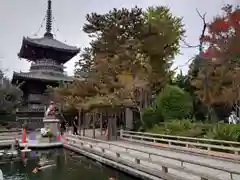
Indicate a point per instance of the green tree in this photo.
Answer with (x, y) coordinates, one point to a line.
(129, 57)
(217, 79)
(135, 47)
(185, 83)
(10, 96)
(174, 103)
(84, 64)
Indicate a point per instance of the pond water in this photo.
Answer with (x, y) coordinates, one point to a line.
(69, 166)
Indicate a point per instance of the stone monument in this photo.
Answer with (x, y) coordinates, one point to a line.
(50, 121)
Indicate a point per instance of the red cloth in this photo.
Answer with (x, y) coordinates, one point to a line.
(59, 137)
(24, 136)
(23, 155)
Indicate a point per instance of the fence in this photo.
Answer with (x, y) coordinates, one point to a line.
(230, 147)
(165, 166)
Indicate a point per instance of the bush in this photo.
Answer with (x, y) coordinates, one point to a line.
(158, 129)
(174, 103)
(227, 132)
(205, 128)
(151, 117)
(175, 127)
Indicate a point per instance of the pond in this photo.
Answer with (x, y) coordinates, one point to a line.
(69, 166)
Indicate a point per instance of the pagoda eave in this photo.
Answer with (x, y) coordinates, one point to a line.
(39, 77)
(33, 49)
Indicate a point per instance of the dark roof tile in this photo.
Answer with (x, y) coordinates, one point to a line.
(51, 43)
(42, 76)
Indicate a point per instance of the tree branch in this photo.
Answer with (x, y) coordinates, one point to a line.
(200, 45)
(203, 17)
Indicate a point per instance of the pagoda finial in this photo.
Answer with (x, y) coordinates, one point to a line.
(49, 20)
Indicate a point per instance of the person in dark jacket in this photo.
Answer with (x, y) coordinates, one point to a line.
(75, 130)
(63, 127)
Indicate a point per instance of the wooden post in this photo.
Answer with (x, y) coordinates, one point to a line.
(137, 161)
(117, 154)
(164, 169)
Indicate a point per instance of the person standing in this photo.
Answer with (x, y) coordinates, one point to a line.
(75, 130)
(63, 127)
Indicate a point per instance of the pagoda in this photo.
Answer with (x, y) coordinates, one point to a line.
(47, 56)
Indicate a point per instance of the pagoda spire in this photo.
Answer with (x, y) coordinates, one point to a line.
(48, 32)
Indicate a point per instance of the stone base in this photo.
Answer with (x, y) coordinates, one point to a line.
(52, 124)
(50, 120)
(44, 140)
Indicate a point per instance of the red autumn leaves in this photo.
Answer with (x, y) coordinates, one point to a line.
(223, 36)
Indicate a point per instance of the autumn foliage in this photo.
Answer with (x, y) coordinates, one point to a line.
(218, 77)
(223, 35)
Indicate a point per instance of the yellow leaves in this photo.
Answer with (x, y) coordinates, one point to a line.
(125, 78)
(130, 82)
(218, 84)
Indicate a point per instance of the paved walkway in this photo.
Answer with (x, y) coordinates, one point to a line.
(156, 162)
(210, 161)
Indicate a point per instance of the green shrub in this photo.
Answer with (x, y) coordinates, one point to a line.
(178, 126)
(158, 129)
(174, 127)
(220, 131)
(227, 132)
(174, 103)
(181, 128)
(205, 128)
(151, 117)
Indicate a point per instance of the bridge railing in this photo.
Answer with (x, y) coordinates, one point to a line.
(10, 136)
(180, 141)
(165, 166)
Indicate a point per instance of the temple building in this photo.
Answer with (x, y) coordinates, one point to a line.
(47, 56)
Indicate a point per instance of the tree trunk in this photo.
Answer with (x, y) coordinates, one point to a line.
(94, 120)
(79, 121)
(109, 127)
(84, 122)
(115, 126)
(101, 122)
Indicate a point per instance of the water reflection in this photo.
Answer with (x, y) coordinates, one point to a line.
(68, 166)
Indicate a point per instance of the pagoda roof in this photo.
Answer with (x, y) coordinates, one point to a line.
(44, 76)
(49, 42)
(45, 47)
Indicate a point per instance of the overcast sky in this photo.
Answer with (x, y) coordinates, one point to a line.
(20, 18)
